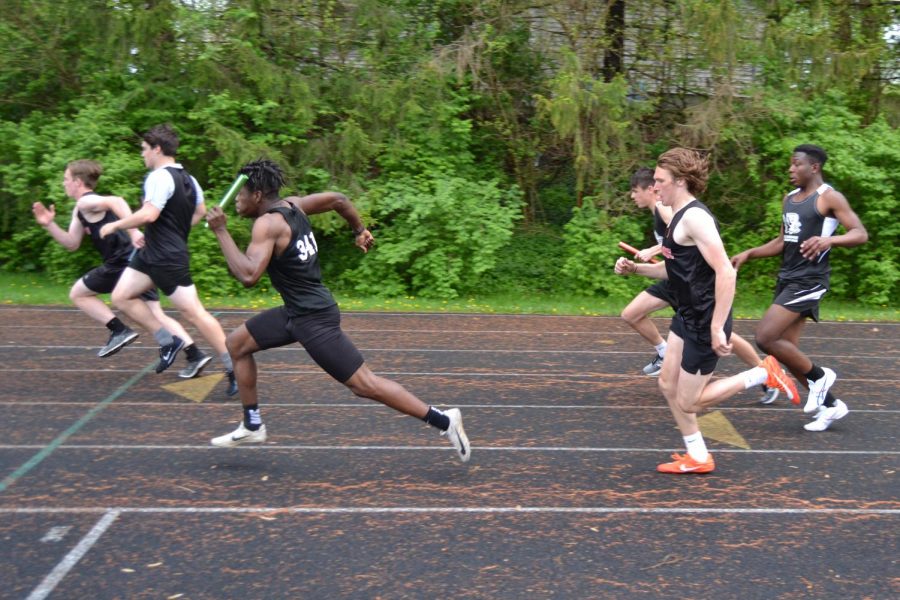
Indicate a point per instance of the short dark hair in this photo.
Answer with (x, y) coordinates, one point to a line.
(263, 176)
(815, 153)
(642, 178)
(86, 171)
(163, 136)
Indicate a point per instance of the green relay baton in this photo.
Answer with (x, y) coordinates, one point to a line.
(232, 191)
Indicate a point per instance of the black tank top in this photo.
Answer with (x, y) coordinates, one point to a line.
(802, 221)
(659, 226)
(166, 238)
(116, 248)
(691, 278)
(295, 273)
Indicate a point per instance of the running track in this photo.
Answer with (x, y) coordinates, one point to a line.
(110, 490)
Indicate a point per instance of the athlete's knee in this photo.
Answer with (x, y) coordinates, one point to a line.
(765, 340)
(667, 385)
(628, 316)
(236, 343)
(365, 384)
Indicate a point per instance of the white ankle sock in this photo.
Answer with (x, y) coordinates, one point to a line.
(696, 447)
(754, 377)
(661, 349)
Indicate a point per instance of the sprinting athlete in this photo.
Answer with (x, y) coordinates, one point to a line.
(173, 203)
(91, 212)
(702, 281)
(660, 294)
(282, 244)
(810, 216)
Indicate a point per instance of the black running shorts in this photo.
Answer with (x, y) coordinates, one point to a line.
(318, 332)
(103, 279)
(165, 277)
(801, 296)
(663, 291)
(698, 354)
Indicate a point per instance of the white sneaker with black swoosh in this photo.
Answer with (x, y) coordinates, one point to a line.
(240, 436)
(457, 435)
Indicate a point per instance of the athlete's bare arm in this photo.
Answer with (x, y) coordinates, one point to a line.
(833, 203)
(267, 231)
(69, 239)
(339, 203)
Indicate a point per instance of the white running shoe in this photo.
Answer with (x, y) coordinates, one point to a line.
(770, 394)
(827, 415)
(457, 435)
(818, 389)
(240, 436)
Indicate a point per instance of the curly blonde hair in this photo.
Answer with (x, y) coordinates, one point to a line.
(687, 164)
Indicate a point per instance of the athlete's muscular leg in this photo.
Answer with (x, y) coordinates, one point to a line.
(241, 346)
(670, 382)
(637, 315)
(170, 324)
(366, 384)
(86, 300)
(185, 299)
(778, 334)
(132, 283)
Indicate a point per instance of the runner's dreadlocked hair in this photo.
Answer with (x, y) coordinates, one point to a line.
(263, 176)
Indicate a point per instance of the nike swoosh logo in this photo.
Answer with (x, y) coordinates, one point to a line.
(688, 469)
(238, 438)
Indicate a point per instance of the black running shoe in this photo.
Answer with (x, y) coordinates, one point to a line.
(168, 353)
(194, 367)
(117, 341)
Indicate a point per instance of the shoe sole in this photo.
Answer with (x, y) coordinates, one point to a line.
(185, 374)
(813, 404)
(121, 345)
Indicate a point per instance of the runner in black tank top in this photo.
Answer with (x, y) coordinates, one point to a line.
(810, 216)
(691, 278)
(295, 273)
(283, 244)
(91, 212)
(659, 295)
(702, 280)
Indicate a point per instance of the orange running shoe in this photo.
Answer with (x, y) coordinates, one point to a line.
(685, 464)
(779, 379)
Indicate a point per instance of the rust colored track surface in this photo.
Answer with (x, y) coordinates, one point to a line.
(110, 488)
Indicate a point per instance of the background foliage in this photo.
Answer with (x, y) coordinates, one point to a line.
(488, 144)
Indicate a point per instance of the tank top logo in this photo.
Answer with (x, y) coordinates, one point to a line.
(791, 227)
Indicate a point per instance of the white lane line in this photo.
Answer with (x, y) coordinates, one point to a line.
(46, 587)
(367, 448)
(880, 356)
(368, 510)
(758, 409)
(473, 332)
(516, 374)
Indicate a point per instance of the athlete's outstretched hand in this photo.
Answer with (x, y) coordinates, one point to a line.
(43, 215)
(625, 266)
(365, 240)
